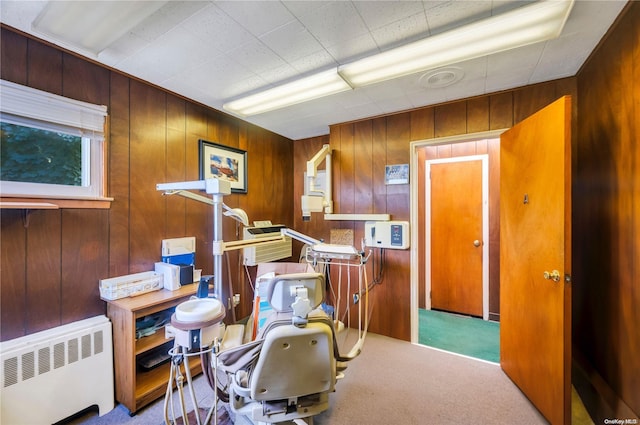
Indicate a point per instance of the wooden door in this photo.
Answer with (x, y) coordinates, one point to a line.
(535, 241)
(456, 235)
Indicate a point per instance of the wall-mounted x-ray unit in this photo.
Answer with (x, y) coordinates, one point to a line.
(317, 191)
(387, 234)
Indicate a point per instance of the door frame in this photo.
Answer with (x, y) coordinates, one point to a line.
(414, 146)
(484, 158)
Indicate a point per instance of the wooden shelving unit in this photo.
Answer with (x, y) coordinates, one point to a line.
(136, 387)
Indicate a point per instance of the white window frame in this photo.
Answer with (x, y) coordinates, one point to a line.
(30, 107)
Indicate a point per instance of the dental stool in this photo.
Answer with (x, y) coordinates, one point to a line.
(289, 371)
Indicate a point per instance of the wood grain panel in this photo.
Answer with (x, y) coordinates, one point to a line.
(13, 57)
(451, 119)
(363, 176)
(13, 256)
(118, 175)
(176, 167)
(531, 99)
(84, 80)
(478, 114)
(605, 247)
(501, 111)
(422, 124)
(153, 136)
(199, 221)
(347, 171)
(463, 149)
(45, 67)
(43, 286)
(84, 263)
(379, 160)
(147, 150)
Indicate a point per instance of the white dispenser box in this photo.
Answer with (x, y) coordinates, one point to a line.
(171, 273)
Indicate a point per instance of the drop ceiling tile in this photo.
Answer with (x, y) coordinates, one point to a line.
(412, 28)
(257, 57)
(277, 75)
(318, 61)
(126, 46)
(291, 41)
(378, 14)
(356, 48)
(335, 23)
(452, 14)
(212, 51)
(507, 79)
(223, 77)
(167, 17)
(168, 55)
(21, 14)
(523, 57)
(214, 29)
(257, 17)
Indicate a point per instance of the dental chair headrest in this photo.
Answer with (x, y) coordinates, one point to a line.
(281, 290)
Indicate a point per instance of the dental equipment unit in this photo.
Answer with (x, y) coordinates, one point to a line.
(287, 371)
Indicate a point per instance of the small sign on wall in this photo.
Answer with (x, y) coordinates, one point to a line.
(396, 174)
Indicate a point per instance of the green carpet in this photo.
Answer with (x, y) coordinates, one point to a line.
(460, 334)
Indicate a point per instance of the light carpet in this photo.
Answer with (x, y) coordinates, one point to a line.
(395, 382)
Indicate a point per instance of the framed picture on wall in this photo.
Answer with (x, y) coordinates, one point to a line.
(224, 163)
(396, 174)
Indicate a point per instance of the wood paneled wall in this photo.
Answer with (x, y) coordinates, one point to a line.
(606, 226)
(52, 259)
(363, 148)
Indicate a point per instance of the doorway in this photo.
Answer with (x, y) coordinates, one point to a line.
(482, 148)
(456, 228)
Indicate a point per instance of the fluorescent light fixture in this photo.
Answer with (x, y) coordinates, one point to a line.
(91, 25)
(530, 24)
(318, 85)
(526, 25)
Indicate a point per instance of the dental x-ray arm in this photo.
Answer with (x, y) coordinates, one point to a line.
(235, 213)
(218, 189)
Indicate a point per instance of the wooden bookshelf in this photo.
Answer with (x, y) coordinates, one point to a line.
(136, 387)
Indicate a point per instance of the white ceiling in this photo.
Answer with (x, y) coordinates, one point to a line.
(215, 51)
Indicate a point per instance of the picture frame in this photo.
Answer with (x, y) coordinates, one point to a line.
(396, 174)
(225, 163)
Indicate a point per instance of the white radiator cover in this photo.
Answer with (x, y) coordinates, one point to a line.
(51, 375)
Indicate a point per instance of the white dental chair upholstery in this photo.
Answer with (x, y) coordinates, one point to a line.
(288, 372)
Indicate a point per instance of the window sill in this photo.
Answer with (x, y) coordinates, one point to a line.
(48, 204)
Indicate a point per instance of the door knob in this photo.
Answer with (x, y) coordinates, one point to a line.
(476, 243)
(554, 275)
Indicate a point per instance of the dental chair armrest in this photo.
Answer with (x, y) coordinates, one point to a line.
(240, 384)
(237, 358)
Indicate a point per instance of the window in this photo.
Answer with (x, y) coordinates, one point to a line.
(50, 146)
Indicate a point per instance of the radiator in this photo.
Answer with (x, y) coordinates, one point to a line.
(51, 375)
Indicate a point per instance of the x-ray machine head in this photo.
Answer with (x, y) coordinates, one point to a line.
(317, 198)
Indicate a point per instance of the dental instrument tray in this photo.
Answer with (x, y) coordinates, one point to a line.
(130, 285)
(333, 251)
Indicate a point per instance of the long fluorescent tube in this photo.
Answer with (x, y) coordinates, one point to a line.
(91, 25)
(523, 26)
(312, 87)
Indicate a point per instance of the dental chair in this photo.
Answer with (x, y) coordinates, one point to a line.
(287, 373)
